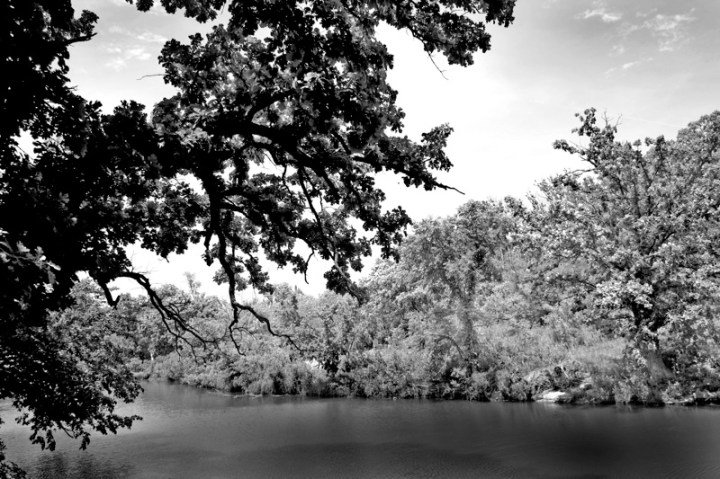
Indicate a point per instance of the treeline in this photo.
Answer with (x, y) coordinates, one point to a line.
(602, 288)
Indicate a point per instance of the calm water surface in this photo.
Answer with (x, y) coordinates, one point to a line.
(190, 433)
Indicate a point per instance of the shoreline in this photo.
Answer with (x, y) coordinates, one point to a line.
(562, 398)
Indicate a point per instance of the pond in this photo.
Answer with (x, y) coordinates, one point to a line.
(191, 433)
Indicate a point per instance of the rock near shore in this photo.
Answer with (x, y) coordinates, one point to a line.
(554, 396)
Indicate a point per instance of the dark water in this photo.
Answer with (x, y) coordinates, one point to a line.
(189, 433)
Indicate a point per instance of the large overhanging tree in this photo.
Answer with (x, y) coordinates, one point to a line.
(297, 87)
(641, 223)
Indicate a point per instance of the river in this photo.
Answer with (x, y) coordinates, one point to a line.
(191, 433)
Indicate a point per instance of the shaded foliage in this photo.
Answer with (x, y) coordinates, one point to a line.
(296, 87)
(68, 376)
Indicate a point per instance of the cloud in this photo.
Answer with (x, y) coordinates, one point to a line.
(154, 10)
(148, 37)
(668, 32)
(618, 49)
(131, 45)
(138, 53)
(602, 14)
(628, 65)
(100, 3)
(123, 55)
(669, 29)
(152, 38)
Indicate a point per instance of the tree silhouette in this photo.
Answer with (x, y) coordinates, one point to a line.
(283, 116)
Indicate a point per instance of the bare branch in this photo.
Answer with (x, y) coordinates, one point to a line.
(151, 75)
(168, 313)
(113, 302)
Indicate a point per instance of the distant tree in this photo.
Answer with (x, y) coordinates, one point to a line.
(534, 286)
(444, 266)
(299, 88)
(325, 328)
(643, 220)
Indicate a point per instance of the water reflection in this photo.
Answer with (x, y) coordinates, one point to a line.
(59, 465)
(189, 433)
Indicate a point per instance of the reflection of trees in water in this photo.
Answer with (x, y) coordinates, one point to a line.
(86, 465)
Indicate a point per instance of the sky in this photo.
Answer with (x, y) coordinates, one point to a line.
(653, 66)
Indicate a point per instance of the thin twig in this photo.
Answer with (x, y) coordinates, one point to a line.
(151, 75)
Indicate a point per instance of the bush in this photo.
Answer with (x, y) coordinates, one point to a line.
(480, 386)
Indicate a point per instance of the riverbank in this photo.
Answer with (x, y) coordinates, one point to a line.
(558, 384)
(348, 352)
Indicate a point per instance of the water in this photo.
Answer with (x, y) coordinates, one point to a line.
(190, 433)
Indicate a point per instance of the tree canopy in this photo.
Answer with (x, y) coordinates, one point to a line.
(641, 223)
(299, 88)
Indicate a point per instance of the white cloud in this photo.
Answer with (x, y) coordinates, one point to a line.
(156, 8)
(152, 38)
(130, 45)
(602, 14)
(148, 37)
(628, 65)
(119, 29)
(116, 64)
(138, 53)
(669, 29)
(123, 55)
(80, 5)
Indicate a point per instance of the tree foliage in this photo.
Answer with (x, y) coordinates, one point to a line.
(500, 301)
(67, 377)
(648, 221)
(283, 116)
(310, 97)
(644, 221)
(445, 266)
(34, 51)
(464, 324)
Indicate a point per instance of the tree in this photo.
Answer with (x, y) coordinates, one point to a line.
(535, 286)
(34, 47)
(644, 222)
(445, 264)
(298, 87)
(68, 376)
(312, 100)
